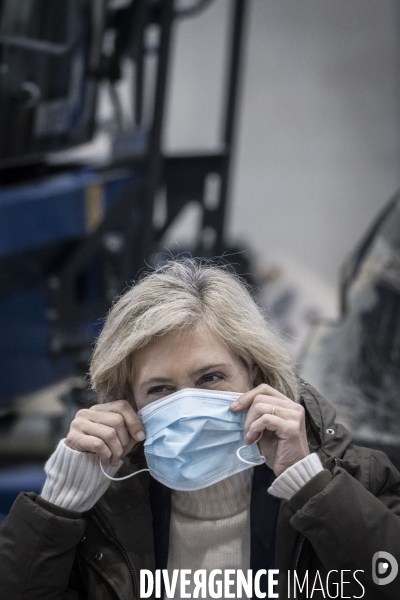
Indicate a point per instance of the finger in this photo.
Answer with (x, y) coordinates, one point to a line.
(283, 429)
(133, 422)
(259, 409)
(112, 419)
(246, 399)
(107, 434)
(89, 443)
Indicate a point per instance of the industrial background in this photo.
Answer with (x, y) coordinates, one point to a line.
(266, 131)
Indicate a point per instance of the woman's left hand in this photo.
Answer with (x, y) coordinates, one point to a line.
(284, 439)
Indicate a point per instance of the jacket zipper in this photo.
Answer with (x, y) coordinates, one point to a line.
(99, 525)
(296, 564)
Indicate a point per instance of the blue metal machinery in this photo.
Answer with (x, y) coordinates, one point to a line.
(40, 222)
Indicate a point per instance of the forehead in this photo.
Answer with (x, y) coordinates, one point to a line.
(182, 349)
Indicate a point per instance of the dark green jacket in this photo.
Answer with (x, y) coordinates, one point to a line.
(336, 522)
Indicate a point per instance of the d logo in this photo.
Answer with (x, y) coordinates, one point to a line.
(384, 568)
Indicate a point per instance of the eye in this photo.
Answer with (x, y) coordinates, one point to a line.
(211, 378)
(160, 389)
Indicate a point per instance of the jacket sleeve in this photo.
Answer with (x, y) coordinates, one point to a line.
(37, 550)
(347, 524)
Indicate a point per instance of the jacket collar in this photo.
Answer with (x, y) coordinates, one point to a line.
(325, 436)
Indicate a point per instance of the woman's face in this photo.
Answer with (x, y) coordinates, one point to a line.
(191, 358)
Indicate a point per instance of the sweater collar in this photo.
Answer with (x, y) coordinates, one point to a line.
(223, 499)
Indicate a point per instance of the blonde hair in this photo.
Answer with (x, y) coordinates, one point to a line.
(176, 295)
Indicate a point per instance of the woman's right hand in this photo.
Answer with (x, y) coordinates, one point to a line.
(109, 430)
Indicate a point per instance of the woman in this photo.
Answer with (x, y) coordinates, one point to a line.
(186, 364)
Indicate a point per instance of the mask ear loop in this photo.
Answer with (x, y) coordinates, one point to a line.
(120, 478)
(249, 462)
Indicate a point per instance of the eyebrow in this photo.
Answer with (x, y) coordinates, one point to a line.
(197, 373)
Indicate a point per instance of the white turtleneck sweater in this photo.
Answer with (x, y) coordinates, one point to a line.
(210, 528)
(218, 519)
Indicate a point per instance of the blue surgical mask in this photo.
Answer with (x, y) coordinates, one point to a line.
(193, 439)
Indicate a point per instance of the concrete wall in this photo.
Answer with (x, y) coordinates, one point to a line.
(318, 146)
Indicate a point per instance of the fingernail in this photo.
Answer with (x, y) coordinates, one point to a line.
(247, 437)
(235, 404)
(140, 436)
